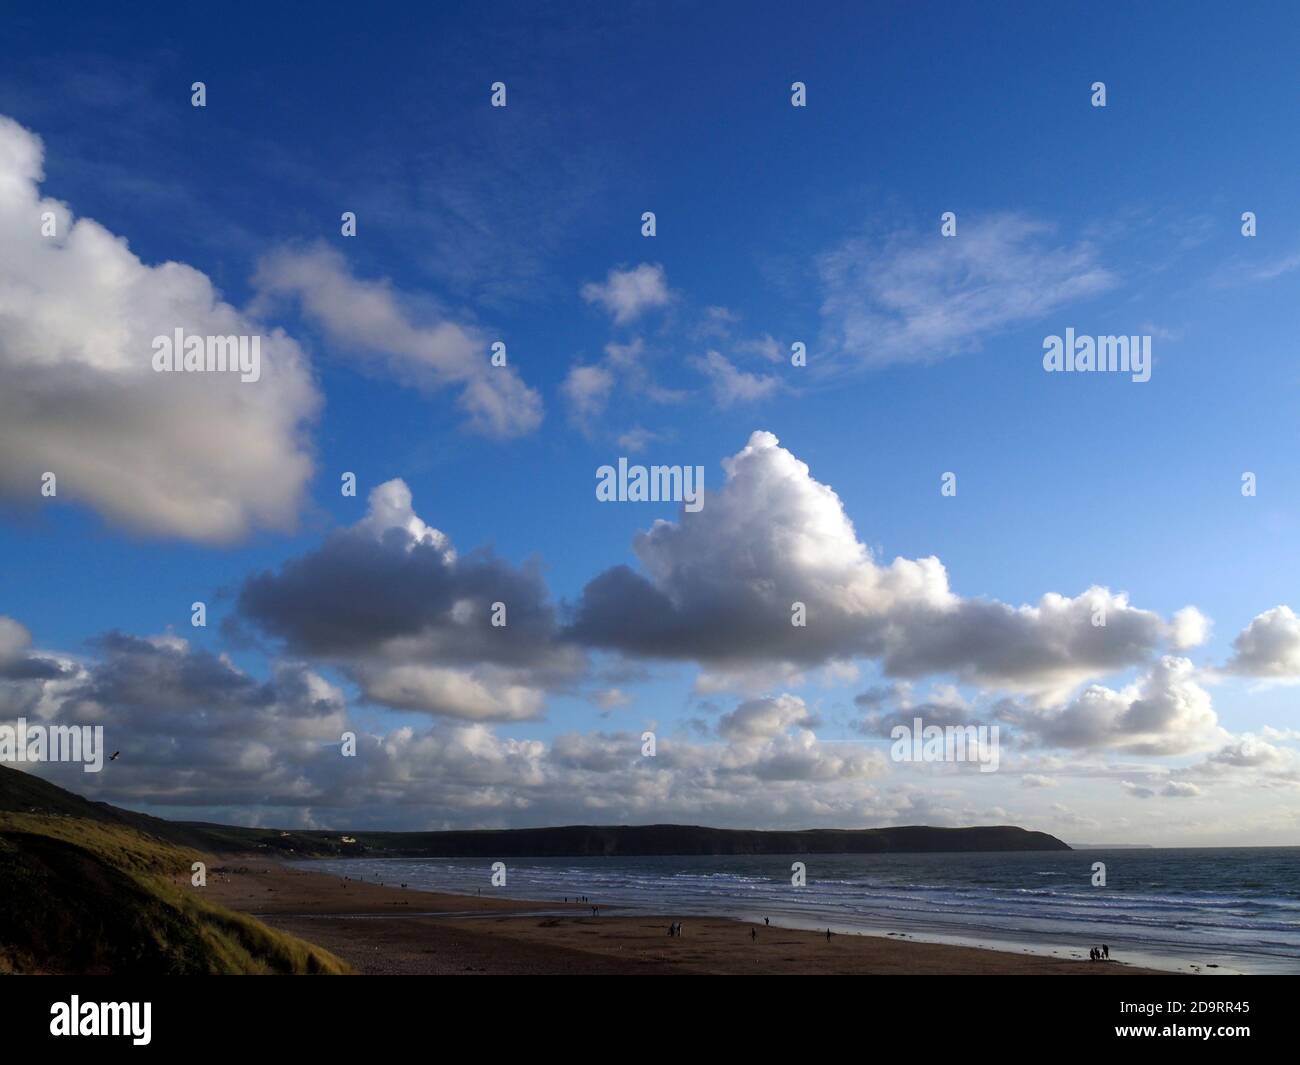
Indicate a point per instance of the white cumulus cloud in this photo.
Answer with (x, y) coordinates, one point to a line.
(201, 456)
(626, 294)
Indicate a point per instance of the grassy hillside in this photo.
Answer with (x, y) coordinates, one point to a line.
(27, 793)
(92, 896)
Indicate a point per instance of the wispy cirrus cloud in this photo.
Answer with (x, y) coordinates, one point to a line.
(1242, 270)
(372, 317)
(731, 385)
(923, 297)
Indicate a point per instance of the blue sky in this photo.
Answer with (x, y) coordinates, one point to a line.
(775, 224)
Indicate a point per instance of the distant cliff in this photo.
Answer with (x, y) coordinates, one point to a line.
(22, 792)
(576, 841)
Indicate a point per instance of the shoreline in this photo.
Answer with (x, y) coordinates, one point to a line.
(386, 929)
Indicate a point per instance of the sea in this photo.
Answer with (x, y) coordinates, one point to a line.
(1212, 910)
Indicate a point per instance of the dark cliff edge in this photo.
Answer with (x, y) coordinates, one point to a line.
(24, 793)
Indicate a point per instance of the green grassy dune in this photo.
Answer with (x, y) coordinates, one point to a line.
(89, 896)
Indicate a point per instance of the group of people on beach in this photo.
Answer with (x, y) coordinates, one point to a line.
(1101, 953)
(595, 910)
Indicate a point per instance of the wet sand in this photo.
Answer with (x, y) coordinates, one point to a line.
(391, 930)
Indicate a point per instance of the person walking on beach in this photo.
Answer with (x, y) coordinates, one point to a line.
(828, 935)
(753, 933)
(766, 921)
(1105, 951)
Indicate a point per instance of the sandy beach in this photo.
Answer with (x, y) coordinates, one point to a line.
(390, 930)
